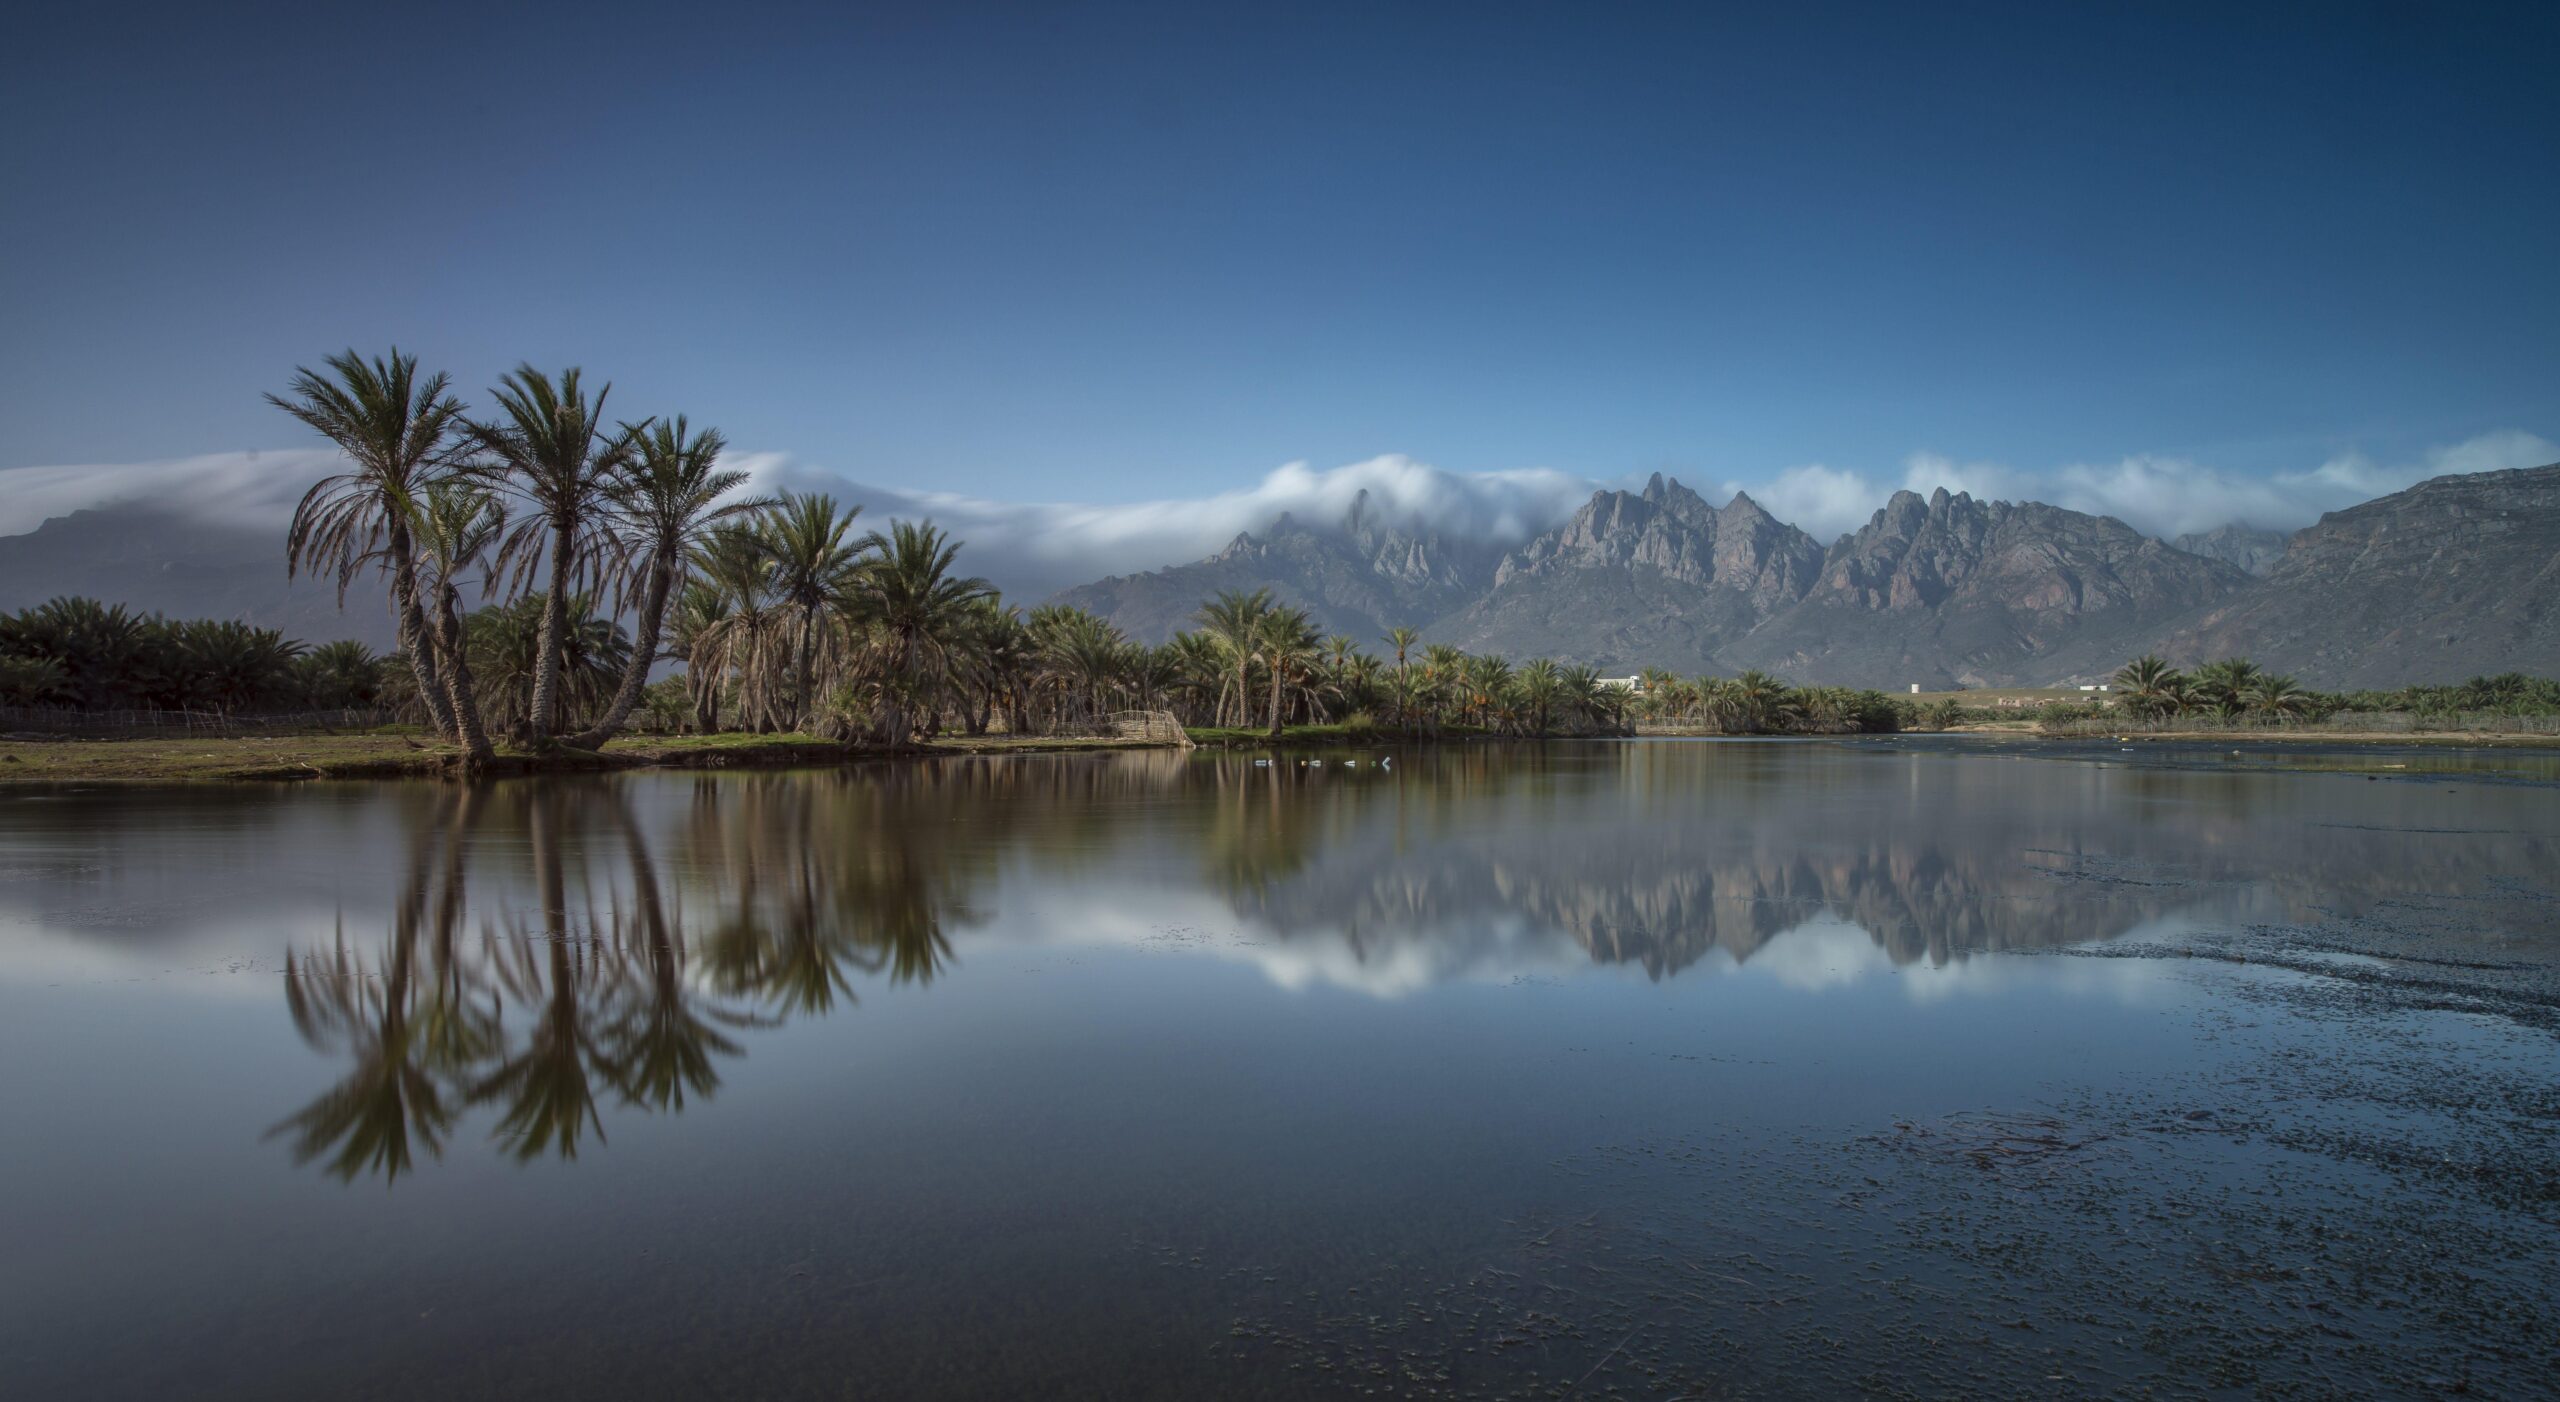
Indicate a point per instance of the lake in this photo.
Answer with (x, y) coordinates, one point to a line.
(1644, 1069)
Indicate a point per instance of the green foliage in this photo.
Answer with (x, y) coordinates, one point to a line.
(93, 656)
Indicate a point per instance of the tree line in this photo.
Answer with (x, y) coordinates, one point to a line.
(2236, 689)
(80, 653)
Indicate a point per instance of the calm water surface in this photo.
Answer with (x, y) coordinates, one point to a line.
(1643, 1070)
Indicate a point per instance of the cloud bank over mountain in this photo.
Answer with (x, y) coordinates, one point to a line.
(2161, 496)
(1031, 548)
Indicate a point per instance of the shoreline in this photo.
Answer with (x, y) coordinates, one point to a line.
(301, 758)
(27, 763)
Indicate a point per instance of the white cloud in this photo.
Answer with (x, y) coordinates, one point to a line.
(1031, 548)
(250, 489)
(2165, 496)
(1060, 543)
(1825, 501)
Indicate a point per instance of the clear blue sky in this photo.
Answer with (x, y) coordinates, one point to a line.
(1108, 253)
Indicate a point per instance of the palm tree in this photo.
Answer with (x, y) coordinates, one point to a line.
(2275, 698)
(1757, 702)
(338, 676)
(666, 504)
(1234, 618)
(552, 448)
(1402, 640)
(400, 432)
(804, 536)
(2152, 687)
(738, 631)
(918, 613)
(1286, 642)
(1540, 685)
(457, 527)
(2225, 685)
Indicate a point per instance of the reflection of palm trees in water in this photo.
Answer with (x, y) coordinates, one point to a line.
(830, 877)
(412, 1040)
(591, 993)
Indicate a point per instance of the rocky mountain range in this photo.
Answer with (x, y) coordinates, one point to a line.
(2453, 577)
(2238, 543)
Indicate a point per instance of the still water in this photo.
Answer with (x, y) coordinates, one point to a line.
(1645, 1070)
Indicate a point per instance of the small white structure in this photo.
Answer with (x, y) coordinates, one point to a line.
(1915, 688)
(2099, 686)
(1623, 683)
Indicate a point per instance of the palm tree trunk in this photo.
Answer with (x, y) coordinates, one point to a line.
(409, 623)
(644, 653)
(1275, 700)
(457, 679)
(805, 679)
(555, 623)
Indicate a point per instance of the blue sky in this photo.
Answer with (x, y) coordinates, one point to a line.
(1111, 254)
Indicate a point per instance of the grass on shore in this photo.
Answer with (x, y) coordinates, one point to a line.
(390, 754)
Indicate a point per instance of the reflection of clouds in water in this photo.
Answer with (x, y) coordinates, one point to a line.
(43, 947)
(1819, 955)
(1199, 924)
(1829, 953)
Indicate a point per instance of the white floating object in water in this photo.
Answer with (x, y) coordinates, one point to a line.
(1262, 764)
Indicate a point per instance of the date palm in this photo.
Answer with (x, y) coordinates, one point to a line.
(457, 528)
(1756, 702)
(669, 500)
(1286, 642)
(918, 613)
(400, 432)
(1235, 618)
(2152, 687)
(811, 563)
(2275, 698)
(551, 447)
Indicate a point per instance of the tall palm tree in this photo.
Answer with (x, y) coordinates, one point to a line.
(1402, 640)
(918, 613)
(1541, 686)
(1286, 642)
(804, 536)
(400, 432)
(457, 527)
(551, 447)
(1234, 618)
(739, 632)
(668, 502)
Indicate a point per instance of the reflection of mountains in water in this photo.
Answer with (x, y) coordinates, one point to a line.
(1659, 855)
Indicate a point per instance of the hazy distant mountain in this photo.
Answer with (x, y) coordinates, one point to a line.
(154, 561)
(1651, 579)
(2238, 543)
(2454, 577)
(1948, 590)
(1360, 577)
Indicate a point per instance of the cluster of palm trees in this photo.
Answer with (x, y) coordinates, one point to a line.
(1755, 703)
(2234, 688)
(78, 653)
(575, 521)
(787, 619)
